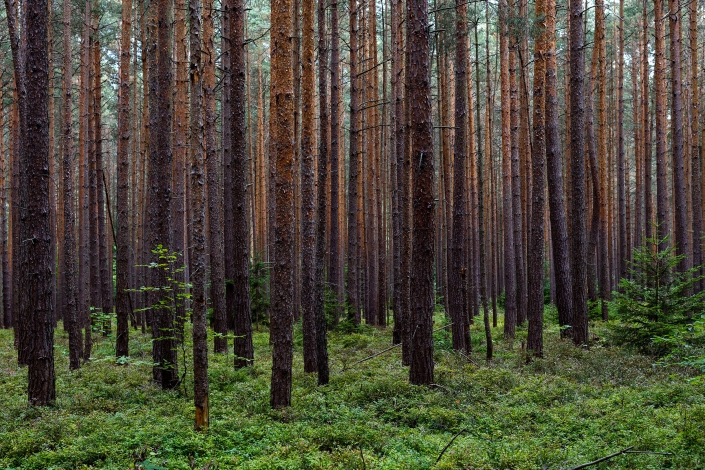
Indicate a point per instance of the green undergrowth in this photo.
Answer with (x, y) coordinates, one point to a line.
(572, 407)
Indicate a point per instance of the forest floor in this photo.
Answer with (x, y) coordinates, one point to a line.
(572, 407)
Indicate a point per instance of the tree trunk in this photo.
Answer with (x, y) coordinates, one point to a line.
(36, 264)
(662, 206)
(577, 122)
(334, 275)
(421, 127)
(353, 276)
(122, 301)
(457, 289)
(319, 314)
(282, 149)
(243, 349)
(165, 372)
(695, 151)
(198, 216)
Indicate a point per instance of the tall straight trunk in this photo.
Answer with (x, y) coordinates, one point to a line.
(622, 227)
(214, 177)
(353, 275)
(646, 129)
(165, 371)
(243, 349)
(319, 313)
(578, 246)
(602, 131)
(678, 158)
(226, 46)
(457, 288)
(122, 304)
(282, 145)
(198, 216)
(84, 291)
(481, 206)
(4, 241)
(554, 167)
(36, 263)
(334, 274)
(105, 270)
(662, 206)
(510, 312)
(534, 342)
(517, 209)
(96, 301)
(397, 146)
(308, 190)
(180, 143)
(696, 149)
(421, 127)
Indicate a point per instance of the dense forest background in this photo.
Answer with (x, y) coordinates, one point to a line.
(478, 178)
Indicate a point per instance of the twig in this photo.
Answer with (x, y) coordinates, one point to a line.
(449, 444)
(647, 452)
(594, 462)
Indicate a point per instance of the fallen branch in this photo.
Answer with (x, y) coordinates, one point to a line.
(647, 452)
(595, 462)
(449, 444)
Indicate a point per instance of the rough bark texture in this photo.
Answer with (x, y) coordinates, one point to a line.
(578, 246)
(696, 150)
(457, 289)
(243, 349)
(122, 304)
(308, 190)
(198, 216)
(319, 314)
(334, 275)
(534, 311)
(214, 170)
(159, 198)
(662, 206)
(282, 149)
(421, 127)
(554, 167)
(353, 277)
(678, 158)
(508, 229)
(622, 228)
(36, 264)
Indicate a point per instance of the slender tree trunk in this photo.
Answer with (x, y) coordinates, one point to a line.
(696, 150)
(559, 231)
(662, 206)
(165, 371)
(282, 144)
(122, 301)
(353, 276)
(678, 159)
(577, 122)
(319, 314)
(623, 228)
(244, 352)
(538, 165)
(645, 94)
(510, 312)
(36, 265)
(198, 216)
(214, 170)
(421, 127)
(308, 211)
(457, 289)
(334, 275)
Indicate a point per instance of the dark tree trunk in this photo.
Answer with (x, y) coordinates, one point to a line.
(122, 303)
(214, 168)
(198, 216)
(559, 231)
(319, 314)
(678, 162)
(623, 228)
(308, 190)
(457, 289)
(662, 205)
(282, 149)
(421, 127)
(36, 264)
(165, 371)
(243, 349)
(578, 244)
(695, 151)
(353, 277)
